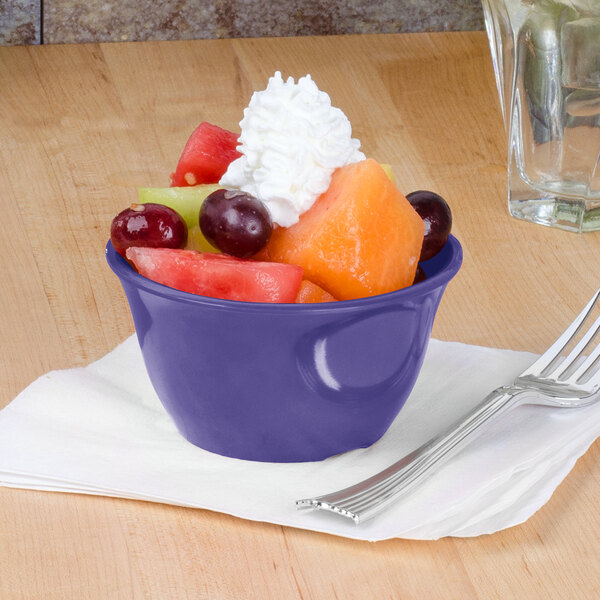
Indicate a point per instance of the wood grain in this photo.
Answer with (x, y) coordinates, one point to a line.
(82, 126)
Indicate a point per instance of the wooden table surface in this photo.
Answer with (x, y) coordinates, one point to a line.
(81, 127)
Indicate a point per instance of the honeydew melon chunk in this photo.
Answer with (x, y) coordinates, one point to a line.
(389, 172)
(187, 202)
(197, 241)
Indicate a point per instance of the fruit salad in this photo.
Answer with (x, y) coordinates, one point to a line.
(289, 210)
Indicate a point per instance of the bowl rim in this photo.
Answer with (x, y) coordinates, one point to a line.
(126, 273)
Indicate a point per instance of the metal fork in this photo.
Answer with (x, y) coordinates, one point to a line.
(566, 375)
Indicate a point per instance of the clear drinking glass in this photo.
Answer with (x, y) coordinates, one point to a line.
(546, 57)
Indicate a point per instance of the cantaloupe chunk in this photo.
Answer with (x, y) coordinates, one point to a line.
(361, 237)
(310, 293)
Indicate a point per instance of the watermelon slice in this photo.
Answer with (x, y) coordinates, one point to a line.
(206, 156)
(218, 275)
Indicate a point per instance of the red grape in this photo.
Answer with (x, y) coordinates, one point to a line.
(148, 225)
(235, 222)
(436, 214)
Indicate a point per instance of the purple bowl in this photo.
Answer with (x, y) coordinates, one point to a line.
(284, 382)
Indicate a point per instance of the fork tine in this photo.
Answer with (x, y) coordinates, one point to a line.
(587, 364)
(547, 361)
(569, 365)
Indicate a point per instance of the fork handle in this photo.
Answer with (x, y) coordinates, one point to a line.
(367, 498)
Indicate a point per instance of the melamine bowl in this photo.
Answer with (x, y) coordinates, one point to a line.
(284, 382)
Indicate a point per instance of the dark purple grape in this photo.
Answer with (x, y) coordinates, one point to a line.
(148, 225)
(435, 212)
(235, 222)
(419, 275)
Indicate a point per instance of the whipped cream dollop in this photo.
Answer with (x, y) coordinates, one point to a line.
(291, 141)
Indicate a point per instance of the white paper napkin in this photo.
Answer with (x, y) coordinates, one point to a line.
(102, 430)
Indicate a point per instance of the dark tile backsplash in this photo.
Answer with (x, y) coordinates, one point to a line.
(20, 22)
(25, 22)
